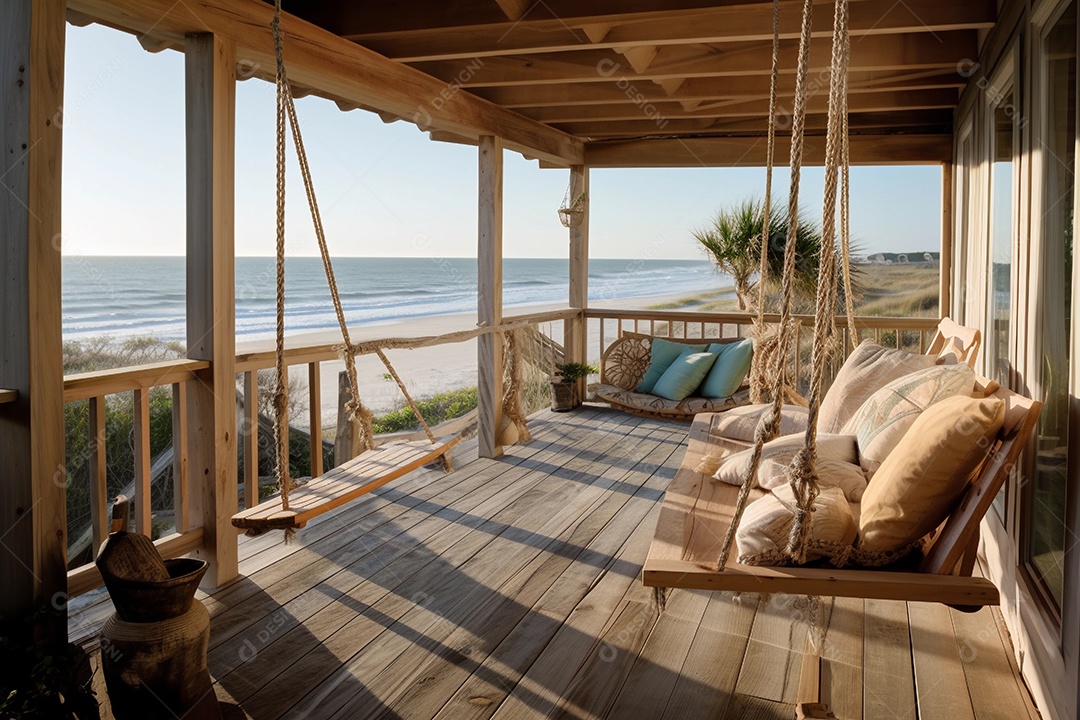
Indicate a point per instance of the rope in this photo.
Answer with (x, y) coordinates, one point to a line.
(281, 388)
(408, 397)
(286, 109)
(758, 376)
(512, 385)
(803, 474)
(769, 425)
(845, 207)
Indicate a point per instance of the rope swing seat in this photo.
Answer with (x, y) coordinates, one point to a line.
(374, 466)
(911, 533)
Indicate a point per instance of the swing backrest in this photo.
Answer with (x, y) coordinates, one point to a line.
(959, 534)
(964, 341)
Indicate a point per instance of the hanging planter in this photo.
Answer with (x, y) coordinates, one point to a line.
(572, 213)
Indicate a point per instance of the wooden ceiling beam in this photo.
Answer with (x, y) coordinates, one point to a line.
(937, 121)
(677, 27)
(334, 67)
(918, 51)
(662, 112)
(747, 87)
(356, 18)
(750, 152)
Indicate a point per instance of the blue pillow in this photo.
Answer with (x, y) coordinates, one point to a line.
(663, 353)
(684, 375)
(729, 370)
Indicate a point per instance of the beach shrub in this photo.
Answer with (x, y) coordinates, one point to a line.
(435, 409)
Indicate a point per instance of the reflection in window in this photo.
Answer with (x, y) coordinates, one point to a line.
(1001, 234)
(1046, 509)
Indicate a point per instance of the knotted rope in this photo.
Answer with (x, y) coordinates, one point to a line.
(769, 425)
(762, 357)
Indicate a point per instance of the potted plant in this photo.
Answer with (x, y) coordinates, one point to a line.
(565, 383)
(41, 677)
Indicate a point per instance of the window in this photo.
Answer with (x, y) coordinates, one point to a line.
(1045, 498)
(999, 292)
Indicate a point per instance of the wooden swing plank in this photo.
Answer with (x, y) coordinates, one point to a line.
(366, 472)
(697, 512)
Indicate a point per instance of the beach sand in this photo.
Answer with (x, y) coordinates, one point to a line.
(425, 371)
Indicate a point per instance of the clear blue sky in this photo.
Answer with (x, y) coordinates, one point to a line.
(386, 189)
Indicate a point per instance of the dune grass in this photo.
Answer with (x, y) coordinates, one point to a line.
(888, 291)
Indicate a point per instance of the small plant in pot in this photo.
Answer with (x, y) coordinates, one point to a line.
(565, 383)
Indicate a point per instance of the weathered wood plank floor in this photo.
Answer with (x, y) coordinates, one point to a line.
(510, 589)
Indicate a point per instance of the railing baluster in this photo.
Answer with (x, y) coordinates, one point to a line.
(141, 428)
(99, 490)
(251, 438)
(603, 344)
(181, 501)
(315, 415)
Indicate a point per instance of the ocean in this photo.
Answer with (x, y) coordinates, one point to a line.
(133, 296)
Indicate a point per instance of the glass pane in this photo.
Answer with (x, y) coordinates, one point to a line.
(1046, 528)
(1001, 233)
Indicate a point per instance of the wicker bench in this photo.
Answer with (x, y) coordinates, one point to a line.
(623, 365)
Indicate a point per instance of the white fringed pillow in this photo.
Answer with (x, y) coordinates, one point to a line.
(866, 369)
(782, 451)
(762, 535)
(847, 476)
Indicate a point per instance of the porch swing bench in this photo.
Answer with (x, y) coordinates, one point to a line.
(697, 511)
(366, 472)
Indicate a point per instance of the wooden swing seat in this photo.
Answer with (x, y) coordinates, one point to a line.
(366, 472)
(697, 512)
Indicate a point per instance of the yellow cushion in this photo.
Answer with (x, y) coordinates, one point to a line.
(924, 476)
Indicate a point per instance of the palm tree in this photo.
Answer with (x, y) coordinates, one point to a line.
(733, 242)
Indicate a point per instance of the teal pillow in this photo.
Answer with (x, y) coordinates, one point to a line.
(730, 368)
(684, 375)
(664, 352)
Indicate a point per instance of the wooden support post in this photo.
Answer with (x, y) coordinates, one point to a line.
(210, 65)
(347, 436)
(33, 521)
(576, 330)
(945, 266)
(489, 292)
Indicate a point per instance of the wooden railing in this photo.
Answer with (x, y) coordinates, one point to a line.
(94, 387)
(605, 326)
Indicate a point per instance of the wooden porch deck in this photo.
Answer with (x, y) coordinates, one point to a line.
(510, 589)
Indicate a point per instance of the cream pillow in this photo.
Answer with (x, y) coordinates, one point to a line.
(740, 423)
(766, 524)
(847, 476)
(866, 369)
(783, 450)
(923, 478)
(885, 417)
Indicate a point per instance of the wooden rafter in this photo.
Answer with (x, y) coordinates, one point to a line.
(663, 111)
(746, 87)
(674, 27)
(937, 121)
(921, 51)
(750, 152)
